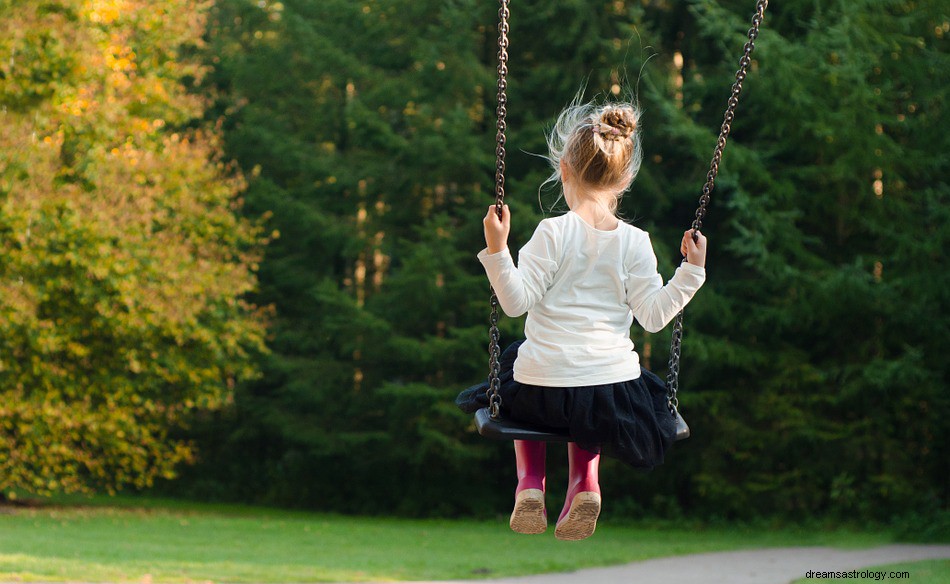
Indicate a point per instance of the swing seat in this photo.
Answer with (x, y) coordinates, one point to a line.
(502, 429)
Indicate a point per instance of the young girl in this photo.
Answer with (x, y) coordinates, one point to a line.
(582, 278)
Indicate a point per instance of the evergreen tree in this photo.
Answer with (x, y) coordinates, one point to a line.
(365, 129)
(814, 349)
(813, 375)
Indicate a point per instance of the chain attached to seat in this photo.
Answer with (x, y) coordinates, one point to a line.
(494, 399)
(673, 373)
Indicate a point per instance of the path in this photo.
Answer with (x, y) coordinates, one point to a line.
(768, 566)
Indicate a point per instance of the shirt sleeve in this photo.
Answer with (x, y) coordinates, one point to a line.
(653, 304)
(519, 288)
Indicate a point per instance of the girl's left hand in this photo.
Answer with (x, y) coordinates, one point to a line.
(496, 230)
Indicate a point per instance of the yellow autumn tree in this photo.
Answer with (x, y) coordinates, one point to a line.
(123, 261)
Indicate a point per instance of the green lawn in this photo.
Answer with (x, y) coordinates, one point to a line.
(928, 572)
(132, 539)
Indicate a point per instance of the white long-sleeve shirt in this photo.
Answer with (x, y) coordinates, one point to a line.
(582, 288)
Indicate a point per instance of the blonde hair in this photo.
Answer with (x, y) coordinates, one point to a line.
(601, 146)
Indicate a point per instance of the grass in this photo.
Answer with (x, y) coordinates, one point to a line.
(165, 541)
(927, 572)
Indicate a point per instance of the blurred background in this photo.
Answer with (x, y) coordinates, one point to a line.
(238, 238)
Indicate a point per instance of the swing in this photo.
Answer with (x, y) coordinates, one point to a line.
(489, 421)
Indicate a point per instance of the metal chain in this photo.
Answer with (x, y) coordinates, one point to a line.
(494, 348)
(672, 378)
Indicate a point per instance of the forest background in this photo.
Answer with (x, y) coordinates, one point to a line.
(237, 247)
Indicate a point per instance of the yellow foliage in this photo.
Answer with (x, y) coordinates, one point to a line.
(121, 257)
(105, 11)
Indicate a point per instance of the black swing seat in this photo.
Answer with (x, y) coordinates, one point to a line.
(502, 429)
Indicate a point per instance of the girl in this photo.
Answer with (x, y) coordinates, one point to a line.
(582, 278)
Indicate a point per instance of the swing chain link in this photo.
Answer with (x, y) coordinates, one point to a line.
(494, 399)
(494, 348)
(672, 378)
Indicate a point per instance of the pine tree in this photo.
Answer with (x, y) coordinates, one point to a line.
(813, 368)
(812, 355)
(364, 128)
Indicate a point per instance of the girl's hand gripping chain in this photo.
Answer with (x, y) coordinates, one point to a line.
(496, 230)
(694, 250)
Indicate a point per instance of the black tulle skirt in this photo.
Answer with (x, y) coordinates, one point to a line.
(629, 421)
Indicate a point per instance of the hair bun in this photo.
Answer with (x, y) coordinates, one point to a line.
(616, 123)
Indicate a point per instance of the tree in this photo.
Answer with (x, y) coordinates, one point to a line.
(815, 348)
(123, 263)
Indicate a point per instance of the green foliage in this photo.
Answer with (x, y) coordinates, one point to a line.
(927, 525)
(365, 128)
(814, 373)
(845, 412)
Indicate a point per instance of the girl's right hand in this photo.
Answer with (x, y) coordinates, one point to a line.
(496, 230)
(694, 251)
